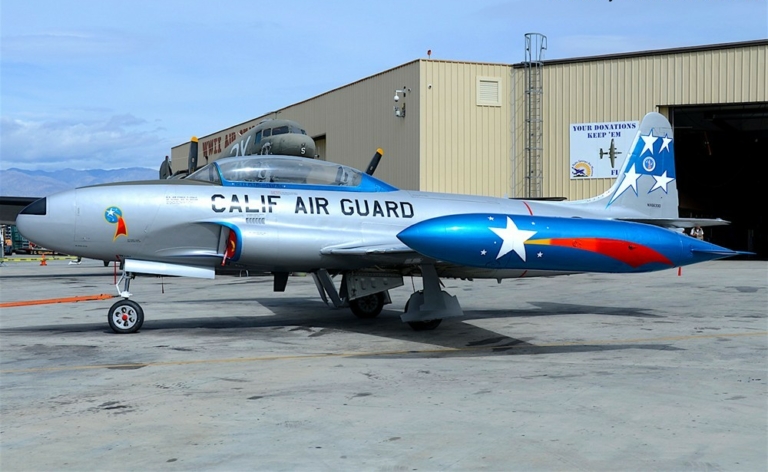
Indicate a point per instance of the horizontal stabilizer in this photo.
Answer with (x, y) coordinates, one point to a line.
(679, 222)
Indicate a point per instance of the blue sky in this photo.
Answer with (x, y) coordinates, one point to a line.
(104, 84)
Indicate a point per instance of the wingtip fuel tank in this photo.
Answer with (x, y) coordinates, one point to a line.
(501, 241)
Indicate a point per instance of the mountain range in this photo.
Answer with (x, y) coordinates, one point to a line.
(35, 183)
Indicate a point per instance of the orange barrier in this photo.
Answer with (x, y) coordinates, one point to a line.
(47, 301)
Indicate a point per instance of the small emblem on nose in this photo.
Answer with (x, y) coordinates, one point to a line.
(114, 216)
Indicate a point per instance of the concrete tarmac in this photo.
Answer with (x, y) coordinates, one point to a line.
(584, 372)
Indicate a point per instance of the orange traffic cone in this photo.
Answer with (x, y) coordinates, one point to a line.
(42, 261)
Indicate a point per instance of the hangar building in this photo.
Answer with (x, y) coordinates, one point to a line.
(545, 128)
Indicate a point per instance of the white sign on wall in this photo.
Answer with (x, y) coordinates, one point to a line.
(598, 149)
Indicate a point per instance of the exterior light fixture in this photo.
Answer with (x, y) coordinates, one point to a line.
(400, 93)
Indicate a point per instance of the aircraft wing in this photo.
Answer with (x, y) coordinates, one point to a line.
(367, 249)
(392, 254)
(679, 222)
(11, 206)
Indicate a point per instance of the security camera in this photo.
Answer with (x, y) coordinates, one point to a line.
(397, 99)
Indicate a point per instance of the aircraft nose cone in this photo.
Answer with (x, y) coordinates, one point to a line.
(49, 222)
(31, 217)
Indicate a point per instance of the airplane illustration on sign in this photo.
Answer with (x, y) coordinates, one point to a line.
(611, 153)
(284, 214)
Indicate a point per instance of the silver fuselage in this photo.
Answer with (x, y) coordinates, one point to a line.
(184, 222)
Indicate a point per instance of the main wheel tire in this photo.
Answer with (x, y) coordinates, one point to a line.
(125, 316)
(425, 325)
(368, 306)
(428, 325)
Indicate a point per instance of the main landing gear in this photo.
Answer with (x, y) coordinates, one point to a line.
(368, 306)
(424, 310)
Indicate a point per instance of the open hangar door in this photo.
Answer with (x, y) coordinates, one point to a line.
(721, 153)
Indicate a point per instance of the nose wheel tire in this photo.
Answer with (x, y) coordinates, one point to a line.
(125, 316)
(368, 306)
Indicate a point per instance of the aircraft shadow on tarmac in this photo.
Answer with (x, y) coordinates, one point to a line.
(560, 309)
(307, 314)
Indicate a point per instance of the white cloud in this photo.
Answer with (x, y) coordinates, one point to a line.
(196, 69)
(65, 46)
(103, 142)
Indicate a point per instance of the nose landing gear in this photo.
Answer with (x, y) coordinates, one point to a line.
(125, 316)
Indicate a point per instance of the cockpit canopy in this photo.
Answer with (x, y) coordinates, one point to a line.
(285, 171)
(284, 129)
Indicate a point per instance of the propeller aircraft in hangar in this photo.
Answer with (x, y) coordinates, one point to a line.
(269, 137)
(283, 214)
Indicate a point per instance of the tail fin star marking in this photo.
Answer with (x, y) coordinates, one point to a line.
(661, 182)
(655, 156)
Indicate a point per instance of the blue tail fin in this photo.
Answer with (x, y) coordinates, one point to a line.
(647, 184)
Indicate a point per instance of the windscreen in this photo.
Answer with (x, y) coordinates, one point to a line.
(288, 170)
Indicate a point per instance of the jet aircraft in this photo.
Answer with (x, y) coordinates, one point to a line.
(283, 214)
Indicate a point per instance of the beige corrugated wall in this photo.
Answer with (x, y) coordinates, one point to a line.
(355, 120)
(447, 142)
(465, 147)
(626, 89)
(359, 118)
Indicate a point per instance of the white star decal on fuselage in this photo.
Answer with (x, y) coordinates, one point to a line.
(513, 239)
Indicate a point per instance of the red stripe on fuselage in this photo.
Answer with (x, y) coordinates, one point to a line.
(634, 255)
(528, 207)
